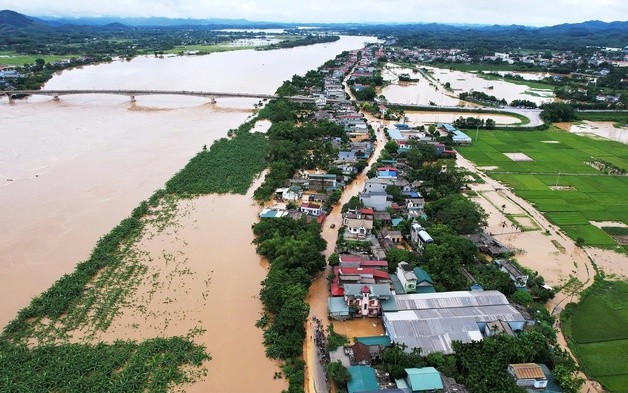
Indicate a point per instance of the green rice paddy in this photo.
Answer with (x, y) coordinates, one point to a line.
(560, 181)
(596, 329)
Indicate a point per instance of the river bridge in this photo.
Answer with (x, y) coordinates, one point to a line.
(531, 114)
(212, 95)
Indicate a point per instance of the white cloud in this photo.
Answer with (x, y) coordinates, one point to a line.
(524, 12)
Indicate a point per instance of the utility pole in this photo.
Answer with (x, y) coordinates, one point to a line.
(557, 178)
(477, 131)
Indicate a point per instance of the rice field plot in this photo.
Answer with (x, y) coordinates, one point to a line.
(560, 181)
(597, 331)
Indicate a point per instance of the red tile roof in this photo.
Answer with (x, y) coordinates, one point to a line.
(387, 168)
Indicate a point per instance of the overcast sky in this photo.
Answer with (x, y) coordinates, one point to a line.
(524, 12)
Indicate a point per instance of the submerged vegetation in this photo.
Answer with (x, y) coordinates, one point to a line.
(89, 298)
(125, 366)
(307, 40)
(228, 167)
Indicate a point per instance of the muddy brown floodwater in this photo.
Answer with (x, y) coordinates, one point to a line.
(71, 170)
(203, 277)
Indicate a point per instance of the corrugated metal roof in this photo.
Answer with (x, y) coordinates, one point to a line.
(423, 301)
(362, 379)
(337, 306)
(432, 321)
(422, 275)
(424, 379)
(374, 340)
(527, 371)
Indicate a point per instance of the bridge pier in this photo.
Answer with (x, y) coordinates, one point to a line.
(133, 99)
(10, 97)
(56, 98)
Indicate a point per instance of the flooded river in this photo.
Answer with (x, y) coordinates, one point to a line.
(71, 170)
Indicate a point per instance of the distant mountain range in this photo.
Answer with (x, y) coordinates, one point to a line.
(597, 33)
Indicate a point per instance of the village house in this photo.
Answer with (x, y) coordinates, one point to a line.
(375, 345)
(292, 193)
(419, 237)
(421, 380)
(366, 300)
(311, 209)
(414, 204)
(387, 172)
(529, 375)
(379, 201)
(363, 379)
(377, 185)
(358, 224)
(407, 277)
(321, 182)
(364, 276)
(424, 283)
(355, 261)
(488, 244)
(516, 275)
(394, 236)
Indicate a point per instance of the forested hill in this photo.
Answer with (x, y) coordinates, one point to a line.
(496, 37)
(28, 34)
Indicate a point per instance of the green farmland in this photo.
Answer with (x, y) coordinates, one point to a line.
(596, 329)
(584, 193)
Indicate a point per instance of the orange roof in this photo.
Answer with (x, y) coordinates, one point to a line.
(528, 371)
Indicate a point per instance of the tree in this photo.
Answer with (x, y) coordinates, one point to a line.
(557, 112)
(334, 259)
(366, 94)
(354, 203)
(489, 124)
(522, 297)
(338, 373)
(391, 147)
(396, 255)
(396, 193)
(420, 153)
(461, 214)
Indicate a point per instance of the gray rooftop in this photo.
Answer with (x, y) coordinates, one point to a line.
(432, 321)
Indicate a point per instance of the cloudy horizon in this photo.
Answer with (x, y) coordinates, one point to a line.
(529, 12)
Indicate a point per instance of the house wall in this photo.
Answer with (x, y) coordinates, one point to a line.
(377, 202)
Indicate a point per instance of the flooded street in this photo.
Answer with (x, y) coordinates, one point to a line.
(71, 170)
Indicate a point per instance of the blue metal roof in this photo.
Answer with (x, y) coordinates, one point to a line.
(424, 379)
(337, 306)
(375, 340)
(395, 134)
(362, 379)
(460, 136)
(396, 221)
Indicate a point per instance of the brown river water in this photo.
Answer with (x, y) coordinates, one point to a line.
(71, 170)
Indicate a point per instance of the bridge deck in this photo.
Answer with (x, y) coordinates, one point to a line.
(208, 94)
